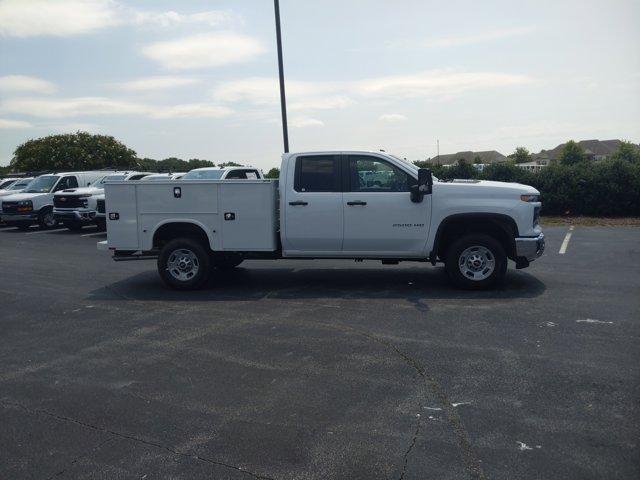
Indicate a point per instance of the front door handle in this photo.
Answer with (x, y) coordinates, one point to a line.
(299, 202)
(357, 202)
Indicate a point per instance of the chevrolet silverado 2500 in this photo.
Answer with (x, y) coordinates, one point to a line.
(340, 205)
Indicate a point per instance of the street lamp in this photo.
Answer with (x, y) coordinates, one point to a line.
(283, 99)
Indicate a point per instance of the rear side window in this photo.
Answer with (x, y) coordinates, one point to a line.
(318, 173)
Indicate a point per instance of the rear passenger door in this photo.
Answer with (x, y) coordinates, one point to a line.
(312, 206)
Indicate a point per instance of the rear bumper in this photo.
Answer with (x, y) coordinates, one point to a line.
(530, 248)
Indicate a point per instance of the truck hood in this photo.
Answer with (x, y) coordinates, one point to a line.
(488, 187)
(81, 191)
(23, 196)
(4, 193)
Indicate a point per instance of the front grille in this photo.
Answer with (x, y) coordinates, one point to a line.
(100, 206)
(9, 207)
(69, 201)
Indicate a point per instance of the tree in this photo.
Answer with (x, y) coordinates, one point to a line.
(198, 163)
(521, 155)
(73, 151)
(571, 153)
(230, 164)
(477, 160)
(273, 173)
(627, 151)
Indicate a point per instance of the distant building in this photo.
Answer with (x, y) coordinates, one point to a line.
(486, 158)
(593, 150)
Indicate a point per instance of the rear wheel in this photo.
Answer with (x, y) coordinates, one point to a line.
(476, 261)
(47, 220)
(184, 264)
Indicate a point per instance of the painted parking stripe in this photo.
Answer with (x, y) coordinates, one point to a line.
(93, 234)
(47, 231)
(565, 242)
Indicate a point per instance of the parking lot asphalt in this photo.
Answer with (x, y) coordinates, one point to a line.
(319, 369)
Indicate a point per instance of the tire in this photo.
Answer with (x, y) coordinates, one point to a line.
(47, 220)
(227, 263)
(72, 225)
(184, 264)
(476, 262)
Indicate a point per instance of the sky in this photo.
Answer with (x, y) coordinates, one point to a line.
(198, 79)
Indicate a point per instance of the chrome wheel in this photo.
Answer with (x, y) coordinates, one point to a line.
(183, 264)
(476, 263)
(49, 220)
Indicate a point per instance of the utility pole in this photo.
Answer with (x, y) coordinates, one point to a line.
(438, 143)
(283, 99)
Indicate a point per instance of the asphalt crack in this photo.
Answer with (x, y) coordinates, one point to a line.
(411, 445)
(40, 411)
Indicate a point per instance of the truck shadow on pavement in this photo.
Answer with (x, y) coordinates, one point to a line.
(417, 285)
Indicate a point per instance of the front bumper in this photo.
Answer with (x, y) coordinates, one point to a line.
(530, 248)
(76, 215)
(19, 217)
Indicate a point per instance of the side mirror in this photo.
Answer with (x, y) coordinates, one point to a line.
(424, 186)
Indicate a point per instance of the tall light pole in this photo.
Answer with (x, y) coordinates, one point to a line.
(283, 99)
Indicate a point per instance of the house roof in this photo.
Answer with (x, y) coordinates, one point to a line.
(487, 156)
(590, 147)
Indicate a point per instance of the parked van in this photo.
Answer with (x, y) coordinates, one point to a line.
(35, 203)
(77, 207)
(15, 186)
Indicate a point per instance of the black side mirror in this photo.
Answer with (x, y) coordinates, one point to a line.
(424, 186)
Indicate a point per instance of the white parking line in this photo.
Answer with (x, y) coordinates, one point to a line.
(565, 242)
(93, 234)
(47, 231)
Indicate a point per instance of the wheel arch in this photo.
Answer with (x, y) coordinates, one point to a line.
(171, 229)
(501, 226)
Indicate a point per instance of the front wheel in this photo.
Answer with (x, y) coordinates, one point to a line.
(184, 264)
(47, 220)
(476, 261)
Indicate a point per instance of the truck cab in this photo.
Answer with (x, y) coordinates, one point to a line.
(35, 203)
(338, 204)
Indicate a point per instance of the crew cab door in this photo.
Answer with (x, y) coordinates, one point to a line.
(312, 206)
(379, 216)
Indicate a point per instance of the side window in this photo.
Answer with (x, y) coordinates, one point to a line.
(252, 174)
(236, 175)
(317, 173)
(138, 177)
(371, 174)
(67, 182)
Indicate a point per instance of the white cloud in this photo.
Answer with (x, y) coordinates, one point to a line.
(98, 106)
(459, 40)
(302, 122)
(7, 123)
(436, 83)
(28, 18)
(23, 83)
(156, 83)
(303, 95)
(204, 50)
(392, 117)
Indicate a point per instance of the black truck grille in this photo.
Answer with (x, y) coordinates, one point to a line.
(68, 201)
(9, 207)
(100, 206)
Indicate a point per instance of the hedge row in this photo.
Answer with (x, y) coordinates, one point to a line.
(606, 188)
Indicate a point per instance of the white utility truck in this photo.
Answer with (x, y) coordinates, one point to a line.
(323, 207)
(77, 207)
(35, 203)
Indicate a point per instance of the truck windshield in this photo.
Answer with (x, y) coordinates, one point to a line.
(5, 184)
(42, 184)
(108, 178)
(203, 175)
(20, 185)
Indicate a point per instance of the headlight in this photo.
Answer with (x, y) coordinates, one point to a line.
(530, 198)
(25, 206)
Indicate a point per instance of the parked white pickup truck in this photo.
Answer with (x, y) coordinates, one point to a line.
(77, 207)
(324, 207)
